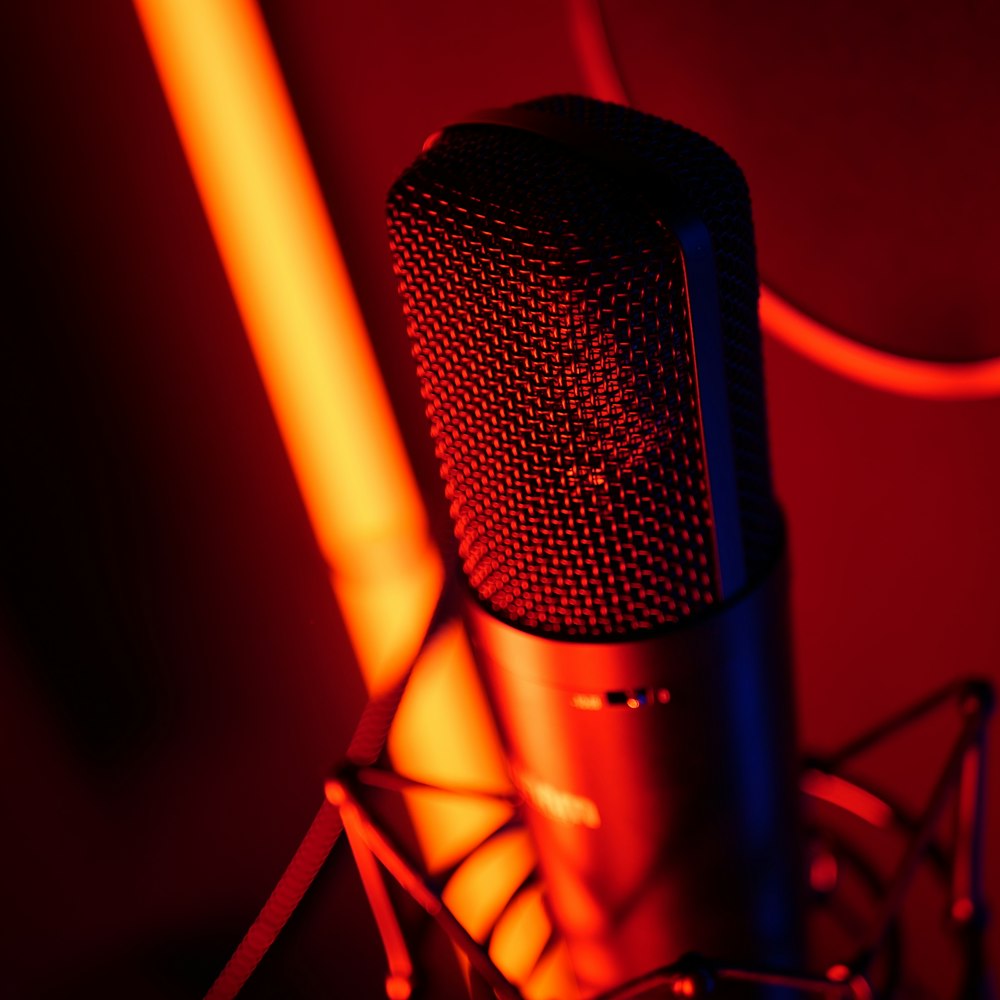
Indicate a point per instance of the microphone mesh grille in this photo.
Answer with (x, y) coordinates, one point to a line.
(549, 323)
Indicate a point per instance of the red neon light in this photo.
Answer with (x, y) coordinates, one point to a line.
(780, 319)
(872, 367)
(848, 796)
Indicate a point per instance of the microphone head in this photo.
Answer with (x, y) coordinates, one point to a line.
(582, 306)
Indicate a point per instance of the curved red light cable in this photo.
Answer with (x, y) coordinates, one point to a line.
(943, 380)
(835, 351)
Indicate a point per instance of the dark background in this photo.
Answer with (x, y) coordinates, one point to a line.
(174, 674)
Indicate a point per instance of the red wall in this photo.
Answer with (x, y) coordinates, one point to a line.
(175, 677)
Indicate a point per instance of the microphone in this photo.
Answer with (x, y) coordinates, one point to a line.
(580, 288)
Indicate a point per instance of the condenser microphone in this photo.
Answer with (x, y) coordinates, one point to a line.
(580, 289)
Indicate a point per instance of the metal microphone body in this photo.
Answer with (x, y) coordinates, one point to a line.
(659, 775)
(580, 288)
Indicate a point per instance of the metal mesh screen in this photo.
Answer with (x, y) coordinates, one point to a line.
(550, 328)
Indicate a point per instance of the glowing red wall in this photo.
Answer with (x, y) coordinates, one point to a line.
(175, 673)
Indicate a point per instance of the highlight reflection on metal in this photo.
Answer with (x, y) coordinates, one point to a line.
(557, 803)
(847, 795)
(266, 212)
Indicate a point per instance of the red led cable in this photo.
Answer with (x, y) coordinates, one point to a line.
(286, 896)
(806, 336)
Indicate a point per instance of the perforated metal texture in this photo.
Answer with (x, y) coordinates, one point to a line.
(549, 324)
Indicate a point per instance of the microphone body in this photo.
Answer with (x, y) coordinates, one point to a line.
(580, 288)
(659, 775)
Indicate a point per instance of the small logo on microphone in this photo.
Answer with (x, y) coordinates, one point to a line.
(635, 698)
(557, 803)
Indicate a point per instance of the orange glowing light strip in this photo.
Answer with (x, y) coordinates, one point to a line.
(291, 286)
(267, 215)
(286, 269)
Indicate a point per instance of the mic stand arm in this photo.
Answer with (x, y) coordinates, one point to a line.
(371, 844)
(694, 975)
(964, 772)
